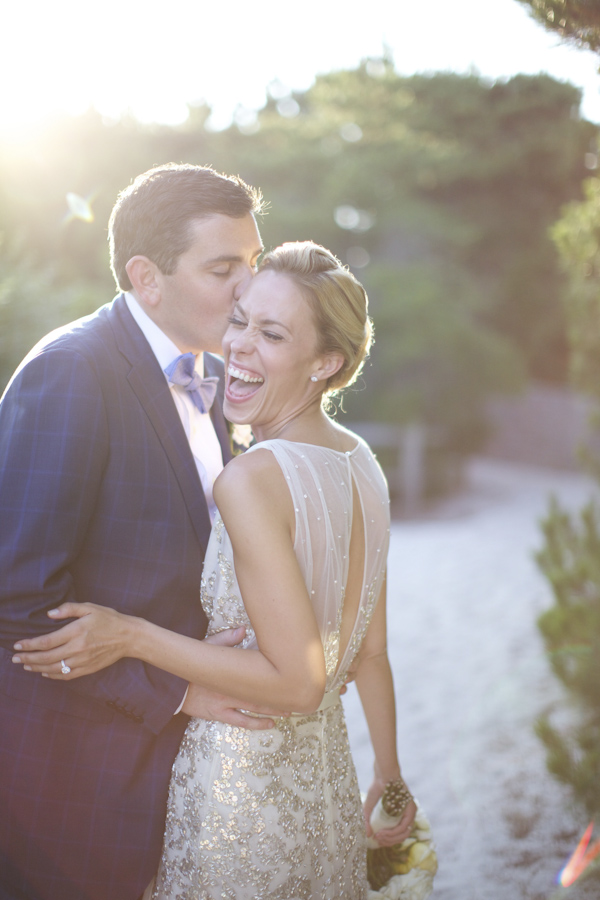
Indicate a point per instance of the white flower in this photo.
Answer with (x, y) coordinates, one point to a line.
(417, 882)
(415, 885)
(241, 436)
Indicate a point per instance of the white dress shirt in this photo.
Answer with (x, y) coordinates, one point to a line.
(198, 426)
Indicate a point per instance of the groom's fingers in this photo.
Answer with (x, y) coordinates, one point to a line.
(252, 723)
(254, 710)
(204, 703)
(228, 638)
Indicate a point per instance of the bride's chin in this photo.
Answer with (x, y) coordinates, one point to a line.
(234, 415)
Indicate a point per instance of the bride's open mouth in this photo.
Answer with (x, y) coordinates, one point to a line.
(241, 384)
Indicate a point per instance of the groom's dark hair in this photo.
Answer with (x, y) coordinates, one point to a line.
(152, 216)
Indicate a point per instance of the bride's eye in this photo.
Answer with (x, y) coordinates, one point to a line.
(272, 336)
(233, 320)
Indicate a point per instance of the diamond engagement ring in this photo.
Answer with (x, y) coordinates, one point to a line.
(64, 668)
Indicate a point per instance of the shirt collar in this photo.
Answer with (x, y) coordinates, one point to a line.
(162, 346)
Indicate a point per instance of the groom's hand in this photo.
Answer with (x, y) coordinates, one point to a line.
(202, 703)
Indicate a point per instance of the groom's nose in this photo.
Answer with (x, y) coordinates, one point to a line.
(246, 276)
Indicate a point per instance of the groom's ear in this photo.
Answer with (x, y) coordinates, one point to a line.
(143, 274)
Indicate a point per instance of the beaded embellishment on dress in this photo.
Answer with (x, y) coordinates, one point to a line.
(277, 814)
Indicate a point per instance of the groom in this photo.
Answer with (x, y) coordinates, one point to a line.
(106, 472)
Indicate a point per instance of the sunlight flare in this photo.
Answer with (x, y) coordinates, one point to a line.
(79, 208)
(581, 858)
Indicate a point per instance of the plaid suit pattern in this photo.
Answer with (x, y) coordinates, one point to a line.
(99, 500)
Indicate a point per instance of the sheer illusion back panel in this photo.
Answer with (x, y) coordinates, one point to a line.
(356, 572)
(341, 510)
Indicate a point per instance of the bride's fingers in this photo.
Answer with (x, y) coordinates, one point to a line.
(71, 610)
(38, 662)
(57, 673)
(390, 836)
(48, 641)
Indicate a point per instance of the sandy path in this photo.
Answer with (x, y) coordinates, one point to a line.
(470, 674)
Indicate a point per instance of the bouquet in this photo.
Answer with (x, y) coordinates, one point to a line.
(404, 871)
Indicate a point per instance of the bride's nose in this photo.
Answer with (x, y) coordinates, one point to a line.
(242, 341)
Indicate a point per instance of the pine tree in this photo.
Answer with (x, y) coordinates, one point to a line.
(570, 556)
(576, 21)
(570, 559)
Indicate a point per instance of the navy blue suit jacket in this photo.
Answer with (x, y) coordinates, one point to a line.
(100, 501)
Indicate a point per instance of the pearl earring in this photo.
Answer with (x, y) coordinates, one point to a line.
(313, 378)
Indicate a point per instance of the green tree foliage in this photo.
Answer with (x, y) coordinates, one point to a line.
(570, 556)
(428, 346)
(32, 303)
(447, 184)
(577, 236)
(570, 559)
(576, 21)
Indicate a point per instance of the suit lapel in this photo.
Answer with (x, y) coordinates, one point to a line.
(150, 386)
(214, 366)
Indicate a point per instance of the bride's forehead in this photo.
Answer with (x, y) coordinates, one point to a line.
(270, 290)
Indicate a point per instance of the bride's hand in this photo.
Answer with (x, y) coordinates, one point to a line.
(387, 837)
(97, 638)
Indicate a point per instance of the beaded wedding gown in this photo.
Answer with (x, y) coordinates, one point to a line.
(277, 814)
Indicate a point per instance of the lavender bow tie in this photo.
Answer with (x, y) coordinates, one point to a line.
(202, 390)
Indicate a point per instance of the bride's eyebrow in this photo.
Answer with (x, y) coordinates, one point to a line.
(274, 322)
(238, 308)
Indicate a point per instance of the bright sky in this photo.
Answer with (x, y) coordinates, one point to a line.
(153, 59)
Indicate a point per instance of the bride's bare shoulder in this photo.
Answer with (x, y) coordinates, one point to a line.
(251, 474)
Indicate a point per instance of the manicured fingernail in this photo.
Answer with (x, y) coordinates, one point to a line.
(16, 659)
(18, 647)
(27, 668)
(52, 612)
(44, 674)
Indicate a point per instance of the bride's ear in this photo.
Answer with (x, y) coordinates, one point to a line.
(329, 365)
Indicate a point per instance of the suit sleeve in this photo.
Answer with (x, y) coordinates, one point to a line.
(54, 445)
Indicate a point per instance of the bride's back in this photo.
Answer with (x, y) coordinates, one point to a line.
(341, 509)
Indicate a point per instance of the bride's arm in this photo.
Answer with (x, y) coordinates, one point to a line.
(376, 690)
(288, 669)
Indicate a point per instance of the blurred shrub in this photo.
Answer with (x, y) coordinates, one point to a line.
(437, 190)
(434, 361)
(570, 559)
(570, 556)
(32, 303)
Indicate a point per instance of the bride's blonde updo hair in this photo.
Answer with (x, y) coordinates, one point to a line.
(338, 302)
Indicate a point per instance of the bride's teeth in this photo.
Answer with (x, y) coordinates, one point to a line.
(243, 376)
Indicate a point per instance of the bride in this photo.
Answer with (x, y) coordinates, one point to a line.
(297, 555)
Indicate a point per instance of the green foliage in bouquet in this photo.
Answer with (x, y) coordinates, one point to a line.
(383, 863)
(406, 869)
(570, 559)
